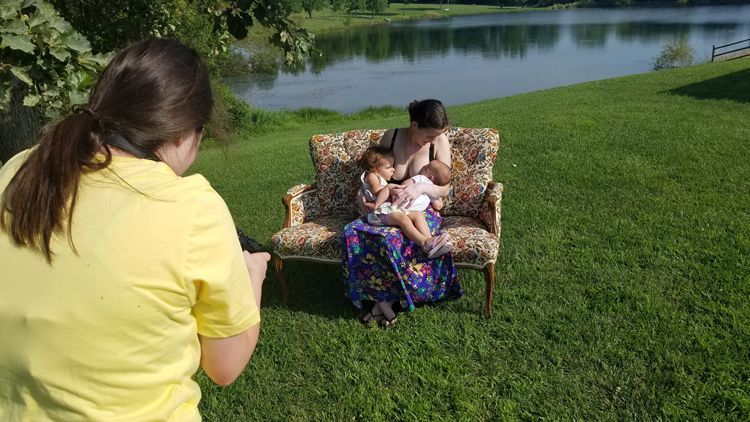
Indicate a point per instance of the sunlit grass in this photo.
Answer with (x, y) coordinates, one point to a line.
(623, 278)
(326, 19)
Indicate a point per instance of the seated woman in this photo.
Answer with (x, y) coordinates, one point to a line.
(382, 267)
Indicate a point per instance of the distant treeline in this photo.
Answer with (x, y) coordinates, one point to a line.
(582, 3)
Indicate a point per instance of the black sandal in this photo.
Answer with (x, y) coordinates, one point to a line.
(388, 323)
(367, 317)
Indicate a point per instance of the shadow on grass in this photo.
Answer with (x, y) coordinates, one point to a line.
(732, 86)
(318, 289)
(314, 288)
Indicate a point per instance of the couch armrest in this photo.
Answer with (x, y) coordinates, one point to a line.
(491, 208)
(301, 204)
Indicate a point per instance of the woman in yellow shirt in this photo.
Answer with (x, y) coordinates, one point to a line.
(119, 276)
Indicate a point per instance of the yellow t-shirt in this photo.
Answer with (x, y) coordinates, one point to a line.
(110, 333)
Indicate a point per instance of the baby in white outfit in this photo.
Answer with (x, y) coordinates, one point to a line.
(378, 162)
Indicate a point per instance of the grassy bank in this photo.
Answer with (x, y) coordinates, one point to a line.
(327, 20)
(623, 278)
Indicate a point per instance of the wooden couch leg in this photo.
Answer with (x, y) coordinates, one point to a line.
(278, 263)
(489, 280)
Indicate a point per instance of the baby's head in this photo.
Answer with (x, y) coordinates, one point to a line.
(437, 171)
(378, 159)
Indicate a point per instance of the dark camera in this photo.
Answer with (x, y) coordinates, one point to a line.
(248, 243)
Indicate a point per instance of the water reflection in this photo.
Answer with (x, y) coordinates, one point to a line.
(594, 43)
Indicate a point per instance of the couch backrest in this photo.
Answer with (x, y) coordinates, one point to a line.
(336, 160)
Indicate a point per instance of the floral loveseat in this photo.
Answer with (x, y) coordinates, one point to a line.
(316, 214)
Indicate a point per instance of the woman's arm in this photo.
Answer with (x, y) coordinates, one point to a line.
(405, 195)
(224, 359)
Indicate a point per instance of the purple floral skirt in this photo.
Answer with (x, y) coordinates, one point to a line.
(382, 265)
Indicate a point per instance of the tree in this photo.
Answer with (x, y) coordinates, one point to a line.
(337, 5)
(47, 67)
(376, 6)
(311, 5)
(206, 25)
(354, 5)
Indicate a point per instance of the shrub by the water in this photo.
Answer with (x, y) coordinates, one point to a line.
(676, 53)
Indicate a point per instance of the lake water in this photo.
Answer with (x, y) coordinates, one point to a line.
(471, 58)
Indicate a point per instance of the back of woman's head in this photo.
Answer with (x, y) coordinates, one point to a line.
(428, 114)
(151, 93)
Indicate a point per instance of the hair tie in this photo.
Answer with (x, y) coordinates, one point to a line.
(79, 109)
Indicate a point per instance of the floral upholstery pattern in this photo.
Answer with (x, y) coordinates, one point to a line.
(318, 239)
(473, 245)
(336, 160)
(473, 152)
(302, 204)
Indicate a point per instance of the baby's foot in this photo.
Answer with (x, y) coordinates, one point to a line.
(438, 246)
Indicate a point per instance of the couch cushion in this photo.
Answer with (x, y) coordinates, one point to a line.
(318, 239)
(473, 245)
(335, 157)
(473, 152)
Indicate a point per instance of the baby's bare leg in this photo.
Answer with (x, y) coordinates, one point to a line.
(419, 219)
(406, 225)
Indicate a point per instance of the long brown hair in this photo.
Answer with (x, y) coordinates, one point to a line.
(151, 93)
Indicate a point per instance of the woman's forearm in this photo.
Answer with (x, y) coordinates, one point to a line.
(435, 191)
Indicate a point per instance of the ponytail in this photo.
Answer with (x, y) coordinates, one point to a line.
(44, 190)
(151, 92)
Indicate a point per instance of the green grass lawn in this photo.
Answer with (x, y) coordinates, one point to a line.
(326, 19)
(623, 286)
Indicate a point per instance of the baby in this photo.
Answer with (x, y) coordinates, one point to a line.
(378, 164)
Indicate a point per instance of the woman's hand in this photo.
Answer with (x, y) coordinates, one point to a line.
(364, 205)
(257, 265)
(224, 359)
(405, 195)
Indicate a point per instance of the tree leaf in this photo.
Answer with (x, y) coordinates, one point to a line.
(9, 11)
(15, 27)
(31, 100)
(21, 74)
(77, 42)
(94, 61)
(59, 53)
(37, 18)
(17, 42)
(78, 97)
(5, 95)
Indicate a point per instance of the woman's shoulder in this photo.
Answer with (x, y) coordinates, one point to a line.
(156, 180)
(388, 137)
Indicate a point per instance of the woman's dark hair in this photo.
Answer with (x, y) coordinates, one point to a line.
(152, 92)
(428, 114)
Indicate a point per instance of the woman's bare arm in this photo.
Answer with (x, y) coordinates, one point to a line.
(224, 359)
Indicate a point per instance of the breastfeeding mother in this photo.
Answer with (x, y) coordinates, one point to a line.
(382, 267)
